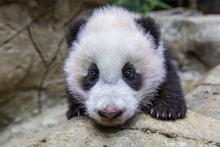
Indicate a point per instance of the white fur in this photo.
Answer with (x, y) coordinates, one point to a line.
(116, 95)
(110, 39)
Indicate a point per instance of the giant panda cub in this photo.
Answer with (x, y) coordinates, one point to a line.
(117, 66)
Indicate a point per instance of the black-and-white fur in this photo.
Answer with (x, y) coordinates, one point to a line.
(117, 66)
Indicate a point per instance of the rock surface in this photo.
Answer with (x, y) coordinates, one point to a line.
(32, 48)
(143, 131)
(49, 118)
(192, 39)
(205, 98)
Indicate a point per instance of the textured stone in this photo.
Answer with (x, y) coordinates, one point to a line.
(32, 49)
(50, 117)
(205, 97)
(210, 78)
(30, 64)
(143, 131)
(193, 40)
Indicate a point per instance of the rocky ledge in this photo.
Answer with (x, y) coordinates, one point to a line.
(194, 130)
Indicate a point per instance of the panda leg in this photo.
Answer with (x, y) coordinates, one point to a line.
(169, 103)
(75, 108)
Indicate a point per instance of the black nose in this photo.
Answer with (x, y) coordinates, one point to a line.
(107, 114)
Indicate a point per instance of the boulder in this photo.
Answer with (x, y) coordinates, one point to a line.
(32, 49)
(47, 119)
(143, 131)
(192, 40)
(205, 96)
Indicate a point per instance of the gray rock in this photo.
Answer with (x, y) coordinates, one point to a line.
(50, 117)
(176, 12)
(31, 66)
(193, 40)
(143, 131)
(210, 78)
(205, 98)
(32, 48)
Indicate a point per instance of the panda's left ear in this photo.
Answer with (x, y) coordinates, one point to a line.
(150, 26)
(73, 32)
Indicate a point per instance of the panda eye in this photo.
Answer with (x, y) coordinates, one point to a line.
(129, 74)
(91, 78)
(131, 77)
(93, 75)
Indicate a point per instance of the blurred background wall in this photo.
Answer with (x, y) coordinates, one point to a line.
(32, 50)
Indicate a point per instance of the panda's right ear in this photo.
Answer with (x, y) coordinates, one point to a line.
(72, 34)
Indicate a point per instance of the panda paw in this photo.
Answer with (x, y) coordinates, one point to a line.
(165, 111)
(70, 114)
(74, 113)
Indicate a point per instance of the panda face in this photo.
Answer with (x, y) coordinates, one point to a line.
(112, 99)
(113, 66)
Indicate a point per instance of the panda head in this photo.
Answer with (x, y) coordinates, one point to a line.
(115, 62)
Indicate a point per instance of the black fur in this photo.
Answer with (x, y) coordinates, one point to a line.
(87, 82)
(168, 103)
(74, 31)
(136, 81)
(149, 26)
(75, 108)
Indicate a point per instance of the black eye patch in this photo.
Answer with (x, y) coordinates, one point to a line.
(130, 76)
(91, 78)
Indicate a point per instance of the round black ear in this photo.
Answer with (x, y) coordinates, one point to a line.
(149, 26)
(74, 30)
